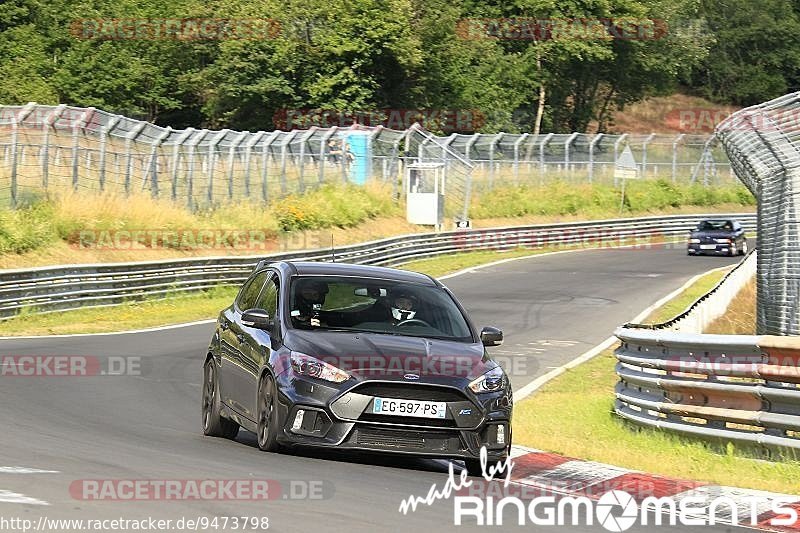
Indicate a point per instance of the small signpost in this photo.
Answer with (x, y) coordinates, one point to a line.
(625, 168)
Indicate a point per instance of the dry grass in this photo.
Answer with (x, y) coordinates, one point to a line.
(740, 317)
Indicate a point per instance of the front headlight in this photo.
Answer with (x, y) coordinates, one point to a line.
(305, 365)
(694, 241)
(492, 381)
(723, 241)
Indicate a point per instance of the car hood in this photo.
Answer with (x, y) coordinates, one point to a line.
(393, 357)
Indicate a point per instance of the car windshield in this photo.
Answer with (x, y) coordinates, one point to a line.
(715, 225)
(376, 306)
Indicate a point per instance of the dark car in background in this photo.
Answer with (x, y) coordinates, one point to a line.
(356, 357)
(717, 237)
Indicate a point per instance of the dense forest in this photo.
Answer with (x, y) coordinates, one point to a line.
(523, 65)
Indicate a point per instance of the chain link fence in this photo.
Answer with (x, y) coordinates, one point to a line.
(62, 147)
(763, 144)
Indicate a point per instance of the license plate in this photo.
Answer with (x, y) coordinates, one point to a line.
(708, 246)
(417, 408)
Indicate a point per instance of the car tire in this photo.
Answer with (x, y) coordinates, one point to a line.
(214, 424)
(267, 427)
(743, 250)
(474, 467)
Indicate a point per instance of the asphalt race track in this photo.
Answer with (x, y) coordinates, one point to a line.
(552, 308)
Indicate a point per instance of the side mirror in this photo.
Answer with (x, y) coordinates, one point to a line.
(491, 336)
(257, 318)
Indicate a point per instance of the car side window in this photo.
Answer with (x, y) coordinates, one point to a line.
(250, 291)
(268, 300)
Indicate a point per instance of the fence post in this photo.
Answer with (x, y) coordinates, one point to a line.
(231, 159)
(284, 146)
(542, 146)
(322, 155)
(616, 152)
(248, 154)
(265, 164)
(372, 141)
(675, 156)
(154, 163)
(396, 157)
(496, 139)
(190, 177)
(104, 147)
(567, 144)
(516, 155)
(644, 153)
(176, 158)
(592, 144)
(14, 142)
(48, 125)
(212, 149)
(301, 171)
(128, 147)
(80, 123)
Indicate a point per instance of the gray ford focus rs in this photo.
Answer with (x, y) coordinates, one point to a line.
(359, 358)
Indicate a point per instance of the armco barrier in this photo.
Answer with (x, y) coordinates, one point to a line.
(59, 288)
(739, 388)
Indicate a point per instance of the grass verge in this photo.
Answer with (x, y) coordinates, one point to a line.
(740, 317)
(588, 429)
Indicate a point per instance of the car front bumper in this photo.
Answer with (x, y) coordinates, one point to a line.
(719, 249)
(341, 418)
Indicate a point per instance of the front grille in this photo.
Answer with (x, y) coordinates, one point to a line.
(404, 391)
(404, 440)
(408, 420)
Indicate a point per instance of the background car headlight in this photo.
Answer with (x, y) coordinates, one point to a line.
(694, 241)
(723, 241)
(492, 381)
(305, 365)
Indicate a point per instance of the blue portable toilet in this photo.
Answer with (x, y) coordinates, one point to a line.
(360, 145)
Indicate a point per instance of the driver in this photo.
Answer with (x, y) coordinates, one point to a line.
(404, 306)
(310, 297)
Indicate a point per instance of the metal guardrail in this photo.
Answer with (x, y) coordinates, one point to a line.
(739, 388)
(61, 288)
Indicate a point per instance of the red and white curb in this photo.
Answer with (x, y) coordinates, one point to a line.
(558, 475)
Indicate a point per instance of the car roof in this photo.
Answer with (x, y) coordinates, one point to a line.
(315, 268)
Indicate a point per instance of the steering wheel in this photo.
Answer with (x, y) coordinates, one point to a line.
(413, 321)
